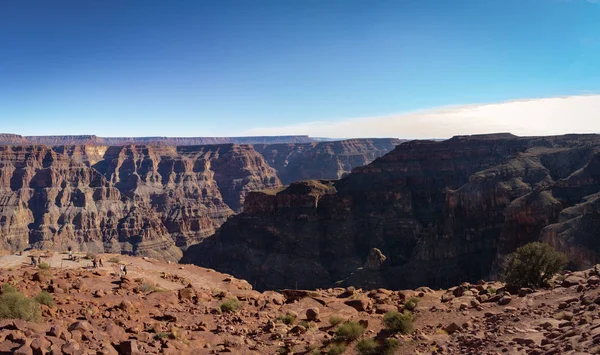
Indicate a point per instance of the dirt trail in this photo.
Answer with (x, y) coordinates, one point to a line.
(177, 275)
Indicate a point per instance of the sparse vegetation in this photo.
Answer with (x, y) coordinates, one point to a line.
(372, 347)
(533, 265)
(45, 298)
(114, 260)
(8, 288)
(336, 349)
(398, 322)
(389, 346)
(44, 266)
(491, 291)
(229, 305)
(288, 318)
(349, 331)
(335, 320)
(411, 303)
(90, 256)
(308, 324)
(367, 347)
(15, 305)
(147, 287)
(162, 335)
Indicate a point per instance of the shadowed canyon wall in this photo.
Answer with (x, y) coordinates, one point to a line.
(440, 212)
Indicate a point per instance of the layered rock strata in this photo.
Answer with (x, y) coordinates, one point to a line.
(440, 212)
(144, 199)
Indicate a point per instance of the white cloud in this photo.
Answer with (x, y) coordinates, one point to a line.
(534, 117)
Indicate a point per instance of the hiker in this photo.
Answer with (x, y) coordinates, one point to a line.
(100, 262)
(32, 260)
(70, 254)
(125, 269)
(95, 263)
(39, 260)
(121, 271)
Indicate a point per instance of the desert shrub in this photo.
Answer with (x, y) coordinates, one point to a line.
(335, 320)
(533, 265)
(230, 305)
(162, 335)
(44, 266)
(389, 346)
(8, 288)
(398, 322)
(308, 324)
(90, 256)
(288, 319)
(367, 347)
(411, 303)
(114, 260)
(491, 290)
(147, 287)
(349, 331)
(14, 305)
(45, 298)
(336, 349)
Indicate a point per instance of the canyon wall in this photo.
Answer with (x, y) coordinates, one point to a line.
(440, 212)
(145, 199)
(90, 139)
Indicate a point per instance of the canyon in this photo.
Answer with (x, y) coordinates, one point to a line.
(151, 199)
(427, 213)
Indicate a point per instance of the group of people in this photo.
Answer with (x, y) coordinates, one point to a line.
(97, 262)
(34, 261)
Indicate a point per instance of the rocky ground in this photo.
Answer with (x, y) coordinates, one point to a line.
(162, 308)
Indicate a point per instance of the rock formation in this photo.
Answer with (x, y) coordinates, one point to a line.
(143, 199)
(441, 212)
(15, 139)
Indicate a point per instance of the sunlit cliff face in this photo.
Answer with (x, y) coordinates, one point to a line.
(531, 117)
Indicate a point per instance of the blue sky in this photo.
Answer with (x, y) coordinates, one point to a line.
(204, 68)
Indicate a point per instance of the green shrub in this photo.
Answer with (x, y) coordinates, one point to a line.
(371, 347)
(389, 346)
(44, 266)
(411, 304)
(288, 319)
(14, 305)
(491, 290)
(8, 288)
(367, 347)
(349, 331)
(533, 265)
(335, 320)
(398, 322)
(230, 305)
(45, 298)
(336, 349)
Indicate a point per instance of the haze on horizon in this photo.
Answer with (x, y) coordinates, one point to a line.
(338, 68)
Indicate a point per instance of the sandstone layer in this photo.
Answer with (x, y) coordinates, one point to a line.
(439, 212)
(145, 199)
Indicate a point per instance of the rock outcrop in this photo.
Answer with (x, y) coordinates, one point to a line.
(441, 212)
(143, 199)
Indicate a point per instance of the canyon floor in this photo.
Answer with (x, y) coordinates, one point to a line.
(166, 308)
